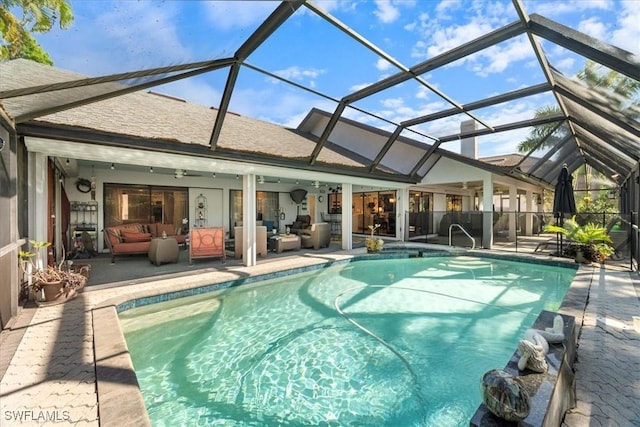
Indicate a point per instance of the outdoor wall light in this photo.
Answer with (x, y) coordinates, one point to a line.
(113, 166)
(214, 174)
(1, 144)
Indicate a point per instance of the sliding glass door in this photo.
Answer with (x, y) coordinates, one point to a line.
(144, 204)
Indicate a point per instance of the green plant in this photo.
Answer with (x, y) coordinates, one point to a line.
(592, 240)
(39, 275)
(373, 244)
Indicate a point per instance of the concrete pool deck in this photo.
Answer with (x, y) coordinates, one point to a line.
(60, 351)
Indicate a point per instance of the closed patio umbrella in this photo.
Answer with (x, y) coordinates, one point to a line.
(564, 202)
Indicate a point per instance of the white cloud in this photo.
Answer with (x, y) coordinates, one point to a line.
(447, 38)
(234, 15)
(445, 6)
(500, 57)
(386, 12)
(355, 88)
(286, 108)
(627, 36)
(593, 27)
(557, 8)
(383, 64)
(566, 65)
(295, 73)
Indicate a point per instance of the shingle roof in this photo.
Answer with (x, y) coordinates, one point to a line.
(155, 117)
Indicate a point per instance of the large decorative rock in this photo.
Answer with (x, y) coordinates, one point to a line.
(505, 396)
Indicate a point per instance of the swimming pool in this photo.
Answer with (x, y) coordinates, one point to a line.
(413, 340)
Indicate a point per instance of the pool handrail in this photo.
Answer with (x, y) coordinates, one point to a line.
(473, 241)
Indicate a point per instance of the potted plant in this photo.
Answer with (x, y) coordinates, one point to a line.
(53, 282)
(586, 243)
(373, 244)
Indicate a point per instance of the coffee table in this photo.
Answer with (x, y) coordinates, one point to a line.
(163, 250)
(286, 242)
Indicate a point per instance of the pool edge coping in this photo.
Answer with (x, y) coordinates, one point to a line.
(120, 401)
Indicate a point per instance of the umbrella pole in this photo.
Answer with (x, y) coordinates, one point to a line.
(561, 236)
(557, 237)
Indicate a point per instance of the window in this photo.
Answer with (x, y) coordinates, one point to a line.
(127, 204)
(267, 206)
(372, 208)
(454, 203)
(420, 213)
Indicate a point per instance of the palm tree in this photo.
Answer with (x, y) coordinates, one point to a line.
(623, 92)
(544, 132)
(38, 16)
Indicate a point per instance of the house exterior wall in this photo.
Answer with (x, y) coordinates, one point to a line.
(9, 240)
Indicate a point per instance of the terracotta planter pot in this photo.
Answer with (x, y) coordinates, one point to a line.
(52, 290)
(55, 292)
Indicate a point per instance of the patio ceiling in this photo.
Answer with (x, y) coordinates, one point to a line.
(593, 130)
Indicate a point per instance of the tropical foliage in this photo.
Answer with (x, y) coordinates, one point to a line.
(591, 239)
(37, 16)
(373, 244)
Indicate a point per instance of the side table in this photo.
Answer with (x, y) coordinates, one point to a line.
(163, 250)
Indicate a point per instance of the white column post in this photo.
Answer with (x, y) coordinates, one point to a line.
(487, 213)
(402, 214)
(249, 220)
(528, 221)
(347, 218)
(513, 208)
(38, 197)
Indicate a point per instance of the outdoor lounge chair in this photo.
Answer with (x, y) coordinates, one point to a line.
(261, 241)
(207, 243)
(316, 237)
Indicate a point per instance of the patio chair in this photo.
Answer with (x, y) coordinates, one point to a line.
(318, 236)
(261, 241)
(207, 243)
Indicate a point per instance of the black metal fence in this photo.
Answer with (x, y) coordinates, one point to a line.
(527, 233)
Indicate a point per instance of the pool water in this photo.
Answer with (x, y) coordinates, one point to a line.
(414, 338)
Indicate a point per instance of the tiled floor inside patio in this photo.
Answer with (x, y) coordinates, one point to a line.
(48, 363)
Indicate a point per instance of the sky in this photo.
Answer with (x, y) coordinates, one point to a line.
(118, 36)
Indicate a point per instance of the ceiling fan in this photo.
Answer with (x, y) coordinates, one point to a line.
(260, 179)
(181, 173)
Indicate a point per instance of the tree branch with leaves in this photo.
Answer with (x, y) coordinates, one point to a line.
(37, 16)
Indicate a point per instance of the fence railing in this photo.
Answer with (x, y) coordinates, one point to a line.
(521, 231)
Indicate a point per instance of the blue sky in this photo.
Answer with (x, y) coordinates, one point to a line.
(116, 36)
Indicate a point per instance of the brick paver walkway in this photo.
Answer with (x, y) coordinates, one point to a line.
(608, 365)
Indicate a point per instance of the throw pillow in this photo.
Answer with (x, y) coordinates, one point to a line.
(131, 237)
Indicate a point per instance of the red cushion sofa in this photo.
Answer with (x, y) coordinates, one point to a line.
(128, 239)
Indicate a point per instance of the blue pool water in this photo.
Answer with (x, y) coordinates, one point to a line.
(397, 342)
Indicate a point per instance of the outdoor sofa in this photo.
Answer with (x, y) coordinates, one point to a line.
(131, 239)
